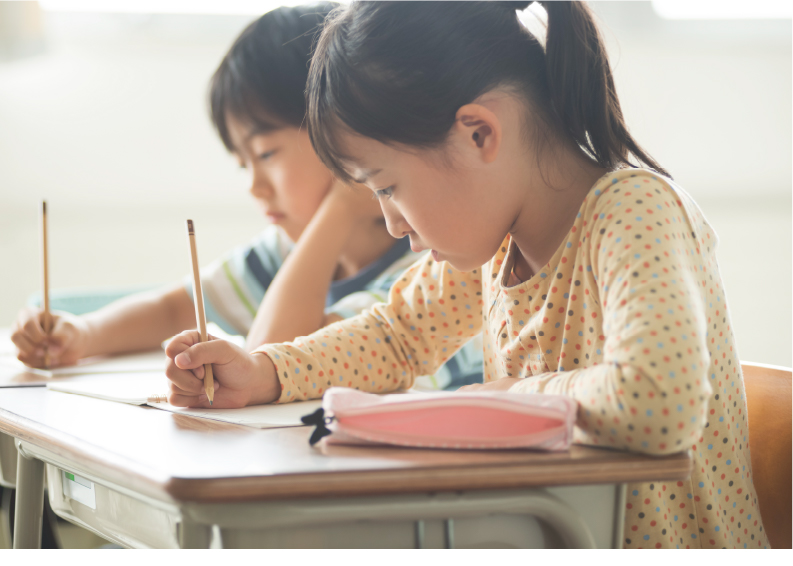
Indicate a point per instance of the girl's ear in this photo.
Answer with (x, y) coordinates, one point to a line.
(479, 130)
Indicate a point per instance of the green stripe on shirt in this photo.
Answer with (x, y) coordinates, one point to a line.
(240, 295)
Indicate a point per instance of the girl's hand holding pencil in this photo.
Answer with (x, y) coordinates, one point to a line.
(240, 378)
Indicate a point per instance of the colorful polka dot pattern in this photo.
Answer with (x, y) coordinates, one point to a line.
(629, 318)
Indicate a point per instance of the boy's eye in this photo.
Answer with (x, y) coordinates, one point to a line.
(387, 192)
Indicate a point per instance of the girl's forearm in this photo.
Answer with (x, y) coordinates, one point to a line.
(294, 304)
(268, 387)
(139, 322)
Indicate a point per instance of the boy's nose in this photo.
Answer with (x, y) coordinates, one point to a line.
(261, 187)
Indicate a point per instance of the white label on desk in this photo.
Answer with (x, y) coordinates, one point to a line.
(78, 489)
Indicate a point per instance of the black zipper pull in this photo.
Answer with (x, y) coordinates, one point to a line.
(318, 419)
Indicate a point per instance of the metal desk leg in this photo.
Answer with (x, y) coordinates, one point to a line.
(5, 517)
(619, 515)
(419, 534)
(29, 502)
(449, 533)
(194, 535)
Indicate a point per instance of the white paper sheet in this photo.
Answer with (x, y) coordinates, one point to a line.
(257, 416)
(136, 388)
(154, 361)
(131, 388)
(149, 361)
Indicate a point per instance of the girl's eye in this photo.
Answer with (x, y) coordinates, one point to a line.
(266, 155)
(387, 192)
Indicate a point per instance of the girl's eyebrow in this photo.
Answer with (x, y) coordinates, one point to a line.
(257, 132)
(366, 174)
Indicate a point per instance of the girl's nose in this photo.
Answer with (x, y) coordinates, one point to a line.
(395, 223)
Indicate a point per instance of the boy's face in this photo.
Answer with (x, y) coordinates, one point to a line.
(288, 180)
(452, 211)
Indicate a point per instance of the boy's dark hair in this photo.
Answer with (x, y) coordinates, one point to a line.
(397, 72)
(262, 79)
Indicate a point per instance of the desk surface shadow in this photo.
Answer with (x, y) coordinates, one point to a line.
(178, 458)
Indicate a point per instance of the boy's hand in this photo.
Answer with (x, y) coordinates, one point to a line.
(355, 199)
(65, 344)
(241, 379)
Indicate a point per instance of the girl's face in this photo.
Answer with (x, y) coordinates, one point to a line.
(453, 209)
(288, 180)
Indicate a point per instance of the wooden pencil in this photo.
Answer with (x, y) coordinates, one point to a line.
(198, 297)
(46, 318)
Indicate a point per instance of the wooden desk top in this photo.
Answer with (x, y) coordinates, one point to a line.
(175, 457)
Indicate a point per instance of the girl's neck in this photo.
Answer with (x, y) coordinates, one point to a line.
(549, 206)
(367, 243)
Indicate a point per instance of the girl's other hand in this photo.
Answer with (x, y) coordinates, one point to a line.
(65, 344)
(240, 379)
(503, 384)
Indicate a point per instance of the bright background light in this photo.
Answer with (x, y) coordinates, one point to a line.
(253, 7)
(723, 9)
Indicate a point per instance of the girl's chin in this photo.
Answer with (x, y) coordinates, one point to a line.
(460, 264)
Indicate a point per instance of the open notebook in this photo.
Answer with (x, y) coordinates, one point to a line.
(149, 361)
(136, 388)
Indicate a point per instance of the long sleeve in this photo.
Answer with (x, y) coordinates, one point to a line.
(643, 259)
(432, 311)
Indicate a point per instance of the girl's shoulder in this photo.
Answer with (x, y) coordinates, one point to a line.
(637, 190)
(629, 182)
(642, 197)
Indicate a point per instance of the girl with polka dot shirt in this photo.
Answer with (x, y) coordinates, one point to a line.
(588, 276)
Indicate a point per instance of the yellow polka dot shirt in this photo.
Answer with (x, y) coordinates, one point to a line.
(629, 318)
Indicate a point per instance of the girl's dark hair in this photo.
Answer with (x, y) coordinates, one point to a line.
(262, 79)
(397, 72)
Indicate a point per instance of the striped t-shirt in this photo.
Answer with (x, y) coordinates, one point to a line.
(234, 287)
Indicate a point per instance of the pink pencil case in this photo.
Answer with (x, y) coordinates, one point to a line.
(445, 420)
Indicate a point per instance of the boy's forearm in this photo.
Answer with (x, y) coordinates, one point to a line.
(294, 304)
(139, 322)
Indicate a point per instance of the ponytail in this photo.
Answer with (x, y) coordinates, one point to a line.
(397, 72)
(581, 88)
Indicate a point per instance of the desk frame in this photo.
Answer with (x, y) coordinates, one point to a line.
(191, 525)
(205, 483)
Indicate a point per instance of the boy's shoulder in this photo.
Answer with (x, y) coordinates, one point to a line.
(271, 242)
